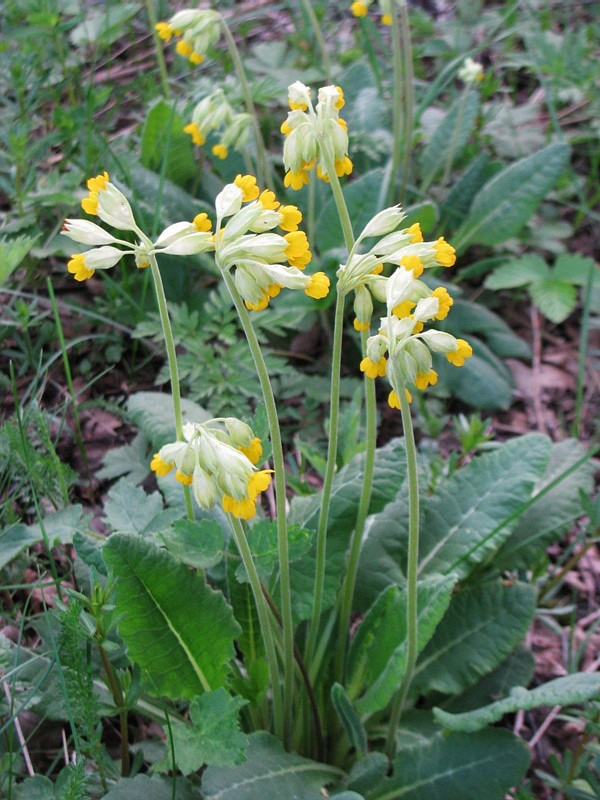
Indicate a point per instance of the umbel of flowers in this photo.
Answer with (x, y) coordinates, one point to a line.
(196, 30)
(360, 8)
(214, 112)
(218, 464)
(308, 130)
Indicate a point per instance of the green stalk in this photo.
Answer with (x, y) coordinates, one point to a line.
(262, 164)
(263, 617)
(71, 387)
(398, 91)
(412, 569)
(278, 463)
(319, 37)
(409, 95)
(363, 510)
(172, 359)
(583, 348)
(336, 360)
(115, 690)
(160, 57)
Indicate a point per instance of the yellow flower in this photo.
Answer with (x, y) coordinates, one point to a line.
(295, 180)
(95, 185)
(386, 19)
(184, 48)
(183, 478)
(343, 166)
(253, 451)
(297, 252)
(260, 305)
(458, 356)
(285, 128)
(245, 508)
(377, 269)
(394, 400)
(247, 183)
(341, 102)
(425, 379)
(403, 309)
(445, 301)
(268, 201)
(342, 123)
(220, 151)
(374, 369)
(358, 9)
(258, 482)
(444, 252)
(159, 466)
(165, 31)
(290, 218)
(361, 326)
(415, 231)
(318, 286)
(414, 263)
(202, 223)
(196, 58)
(273, 289)
(194, 132)
(77, 267)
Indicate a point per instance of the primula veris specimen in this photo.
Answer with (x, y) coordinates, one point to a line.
(217, 464)
(308, 130)
(214, 113)
(360, 8)
(471, 72)
(196, 30)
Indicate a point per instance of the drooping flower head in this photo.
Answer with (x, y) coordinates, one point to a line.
(310, 130)
(264, 261)
(197, 29)
(219, 464)
(214, 113)
(471, 72)
(360, 8)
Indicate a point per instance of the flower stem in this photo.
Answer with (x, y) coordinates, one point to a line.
(263, 618)
(398, 91)
(314, 21)
(262, 164)
(278, 463)
(117, 695)
(412, 568)
(409, 95)
(363, 510)
(160, 58)
(172, 359)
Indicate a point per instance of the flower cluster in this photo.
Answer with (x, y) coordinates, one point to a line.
(309, 132)
(360, 8)
(107, 202)
(214, 112)
(471, 72)
(247, 242)
(197, 29)
(217, 464)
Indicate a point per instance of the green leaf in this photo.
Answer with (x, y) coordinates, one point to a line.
(575, 268)
(481, 627)
(157, 787)
(516, 670)
(214, 736)
(269, 772)
(176, 627)
(129, 460)
(473, 318)
(350, 719)
(518, 272)
(176, 203)
(390, 468)
(450, 136)
(60, 528)
(555, 299)
(549, 517)
(12, 252)
(480, 383)
(459, 765)
(90, 552)
(458, 200)
(262, 539)
(129, 509)
(197, 544)
(103, 26)
(152, 412)
(164, 129)
(461, 525)
(577, 688)
(379, 657)
(508, 200)
(361, 197)
(368, 772)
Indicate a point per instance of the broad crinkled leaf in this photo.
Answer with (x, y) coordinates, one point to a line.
(551, 515)
(269, 772)
(129, 509)
(197, 544)
(60, 527)
(481, 627)
(214, 736)
(518, 272)
(576, 688)
(378, 652)
(129, 460)
(451, 135)
(263, 542)
(153, 413)
(157, 787)
(163, 137)
(503, 206)
(459, 766)
(178, 629)
(555, 299)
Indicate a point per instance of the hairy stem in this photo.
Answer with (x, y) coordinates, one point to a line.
(262, 164)
(263, 617)
(413, 563)
(172, 359)
(278, 463)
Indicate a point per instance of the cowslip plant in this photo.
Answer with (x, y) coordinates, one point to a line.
(438, 619)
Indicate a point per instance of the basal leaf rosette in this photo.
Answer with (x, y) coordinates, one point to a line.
(262, 261)
(309, 130)
(218, 463)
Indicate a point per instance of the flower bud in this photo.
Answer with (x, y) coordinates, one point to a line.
(399, 286)
(439, 341)
(184, 239)
(384, 222)
(80, 230)
(471, 72)
(241, 434)
(298, 96)
(426, 308)
(363, 308)
(114, 208)
(204, 489)
(376, 347)
(229, 200)
(420, 353)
